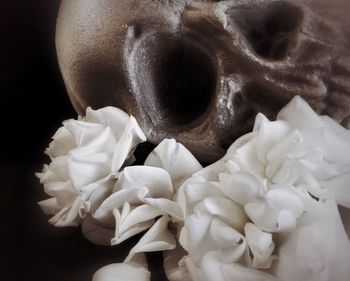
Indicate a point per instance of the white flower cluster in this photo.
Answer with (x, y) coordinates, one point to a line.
(85, 154)
(268, 210)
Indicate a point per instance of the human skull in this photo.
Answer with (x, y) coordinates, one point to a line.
(199, 71)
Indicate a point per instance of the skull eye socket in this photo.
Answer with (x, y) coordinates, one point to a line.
(187, 81)
(271, 30)
(177, 79)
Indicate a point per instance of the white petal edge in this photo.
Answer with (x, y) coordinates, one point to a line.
(131, 271)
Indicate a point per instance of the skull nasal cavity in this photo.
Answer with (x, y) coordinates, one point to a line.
(186, 83)
(272, 29)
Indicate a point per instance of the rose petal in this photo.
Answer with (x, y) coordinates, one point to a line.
(68, 215)
(126, 145)
(95, 193)
(125, 233)
(214, 269)
(166, 206)
(260, 245)
(50, 206)
(231, 243)
(176, 159)
(247, 159)
(269, 134)
(130, 271)
(242, 187)
(104, 213)
(91, 163)
(131, 216)
(300, 115)
(62, 191)
(109, 116)
(194, 235)
(157, 238)
(194, 190)
(334, 146)
(84, 133)
(270, 219)
(241, 273)
(57, 171)
(319, 248)
(285, 198)
(223, 209)
(62, 143)
(156, 180)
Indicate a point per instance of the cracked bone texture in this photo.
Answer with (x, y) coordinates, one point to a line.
(199, 71)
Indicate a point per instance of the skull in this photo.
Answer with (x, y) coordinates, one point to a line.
(199, 71)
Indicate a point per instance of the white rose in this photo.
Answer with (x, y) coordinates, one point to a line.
(288, 236)
(142, 199)
(142, 194)
(85, 155)
(250, 216)
(300, 149)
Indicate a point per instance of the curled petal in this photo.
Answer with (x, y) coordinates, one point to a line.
(281, 198)
(94, 194)
(62, 143)
(269, 134)
(241, 273)
(214, 269)
(247, 158)
(85, 133)
(269, 219)
(223, 209)
(279, 210)
(88, 164)
(126, 145)
(50, 206)
(175, 159)
(133, 216)
(300, 115)
(242, 187)
(279, 154)
(109, 116)
(194, 190)
(131, 271)
(231, 243)
(57, 171)
(194, 235)
(319, 248)
(68, 215)
(166, 206)
(157, 238)
(260, 245)
(133, 220)
(62, 191)
(157, 180)
(335, 146)
(104, 213)
(211, 172)
(174, 266)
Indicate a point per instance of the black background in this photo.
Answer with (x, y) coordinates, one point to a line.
(33, 104)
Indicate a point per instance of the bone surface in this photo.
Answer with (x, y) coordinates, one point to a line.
(200, 71)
